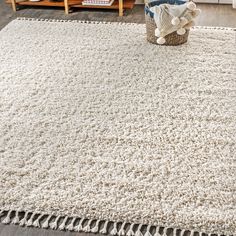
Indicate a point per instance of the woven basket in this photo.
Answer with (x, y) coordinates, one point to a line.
(172, 39)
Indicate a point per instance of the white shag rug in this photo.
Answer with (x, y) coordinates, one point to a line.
(101, 131)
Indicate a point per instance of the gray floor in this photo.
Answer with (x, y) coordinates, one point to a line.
(212, 15)
(12, 230)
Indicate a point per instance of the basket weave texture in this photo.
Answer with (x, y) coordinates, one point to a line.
(172, 39)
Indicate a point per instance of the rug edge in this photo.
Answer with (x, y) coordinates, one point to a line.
(38, 219)
(114, 22)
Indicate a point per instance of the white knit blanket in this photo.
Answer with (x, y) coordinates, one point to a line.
(171, 18)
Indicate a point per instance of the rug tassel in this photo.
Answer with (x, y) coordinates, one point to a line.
(23, 221)
(30, 221)
(95, 229)
(138, 232)
(130, 231)
(63, 224)
(70, 227)
(7, 219)
(175, 232)
(165, 231)
(122, 229)
(16, 219)
(45, 224)
(53, 225)
(37, 221)
(87, 228)
(114, 230)
(157, 233)
(148, 233)
(104, 229)
(182, 232)
(79, 227)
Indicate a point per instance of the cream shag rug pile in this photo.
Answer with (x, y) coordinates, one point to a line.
(101, 131)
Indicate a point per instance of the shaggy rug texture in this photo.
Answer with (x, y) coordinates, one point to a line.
(101, 131)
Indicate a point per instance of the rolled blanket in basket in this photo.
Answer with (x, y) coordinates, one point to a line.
(171, 18)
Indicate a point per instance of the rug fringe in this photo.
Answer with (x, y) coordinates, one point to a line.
(16, 219)
(214, 27)
(130, 231)
(36, 219)
(30, 221)
(104, 229)
(109, 22)
(114, 230)
(157, 232)
(45, 224)
(76, 21)
(95, 229)
(148, 231)
(63, 224)
(122, 229)
(54, 225)
(175, 232)
(7, 219)
(182, 232)
(70, 227)
(79, 227)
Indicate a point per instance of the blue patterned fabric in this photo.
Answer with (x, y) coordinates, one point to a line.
(159, 2)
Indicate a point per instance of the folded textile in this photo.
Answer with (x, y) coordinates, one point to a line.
(171, 18)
